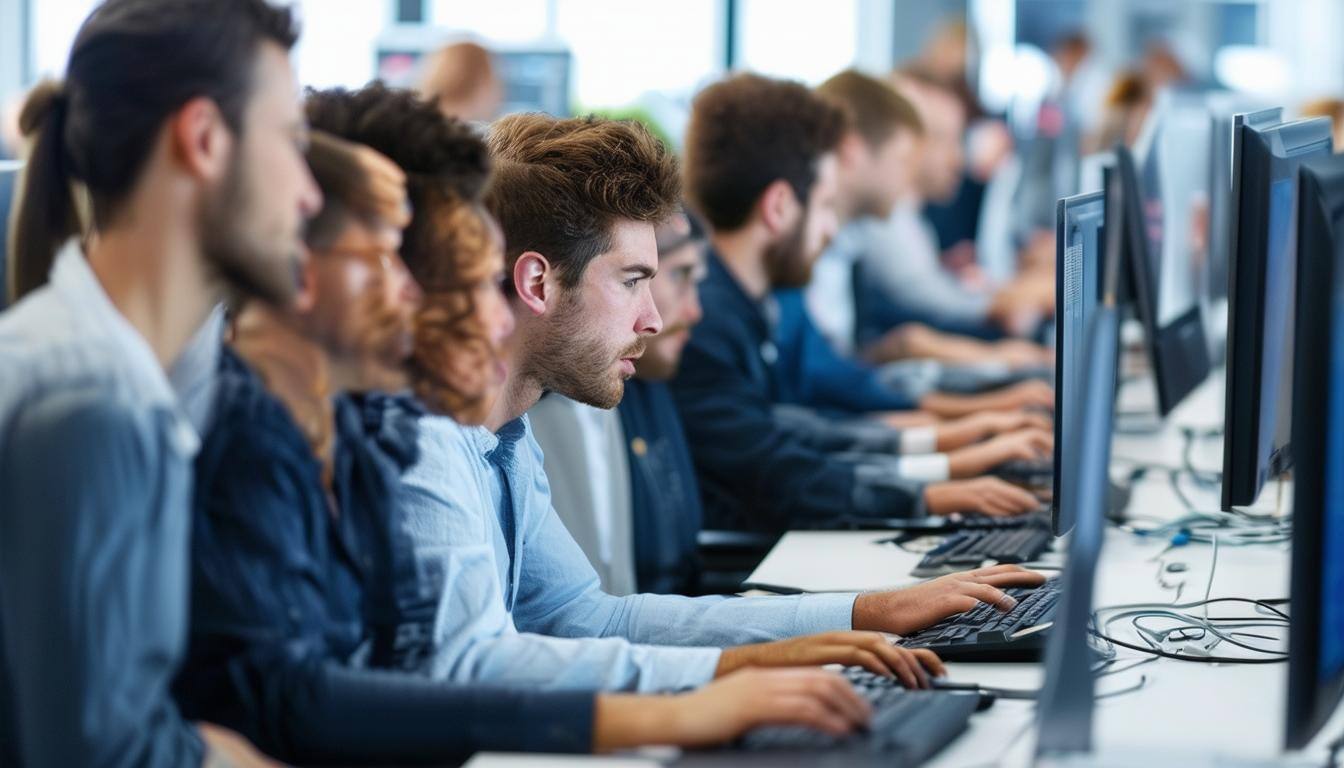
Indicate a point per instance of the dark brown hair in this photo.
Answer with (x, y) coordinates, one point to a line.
(133, 63)
(873, 108)
(445, 162)
(560, 185)
(446, 166)
(749, 131)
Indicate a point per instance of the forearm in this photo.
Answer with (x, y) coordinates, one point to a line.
(333, 714)
(624, 721)
(728, 621)
(588, 663)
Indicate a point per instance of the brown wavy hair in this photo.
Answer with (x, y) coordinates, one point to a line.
(561, 185)
(748, 131)
(447, 243)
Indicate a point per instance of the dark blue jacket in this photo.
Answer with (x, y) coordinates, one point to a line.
(665, 498)
(757, 473)
(296, 593)
(819, 377)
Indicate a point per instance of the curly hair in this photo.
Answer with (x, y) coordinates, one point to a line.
(560, 185)
(748, 131)
(447, 243)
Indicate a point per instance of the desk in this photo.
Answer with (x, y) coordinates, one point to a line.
(1184, 707)
(1185, 710)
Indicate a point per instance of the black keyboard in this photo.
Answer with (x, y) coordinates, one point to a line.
(986, 634)
(938, 523)
(1032, 474)
(908, 727)
(970, 549)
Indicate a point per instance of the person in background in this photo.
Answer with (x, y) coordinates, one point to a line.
(1332, 108)
(901, 276)
(1126, 107)
(180, 118)
(761, 168)
(875, 171)
(462, 80)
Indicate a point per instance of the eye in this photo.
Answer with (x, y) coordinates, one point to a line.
(631, 283)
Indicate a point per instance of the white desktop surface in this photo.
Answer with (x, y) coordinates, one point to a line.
(1184, 707)
(1184, 710)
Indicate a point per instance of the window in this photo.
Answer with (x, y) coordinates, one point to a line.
(799, 39)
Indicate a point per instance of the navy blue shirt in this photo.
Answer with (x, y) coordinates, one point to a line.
(815, 375)
(296, 593)
(756, 472)
(665, 498)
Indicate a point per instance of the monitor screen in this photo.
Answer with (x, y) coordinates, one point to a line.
(9, 172)
(1316, 633)
(1182, 151)
(1079, 237)
(1158, 264)
(1276, 363)
(1330, 663)
(1258, 437)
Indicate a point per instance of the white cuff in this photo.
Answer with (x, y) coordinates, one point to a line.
(929, 468)
(918, 441)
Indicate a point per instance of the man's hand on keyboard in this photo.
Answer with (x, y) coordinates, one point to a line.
(870, 650)
(986, 495)
(1030, 444)
(904, 611)
(726, 709)
(958, 433)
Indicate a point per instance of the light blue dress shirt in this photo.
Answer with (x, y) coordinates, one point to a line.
(520, 603)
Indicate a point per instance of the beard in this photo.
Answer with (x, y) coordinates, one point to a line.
(572, 360)
(252, 263)
(786, 261)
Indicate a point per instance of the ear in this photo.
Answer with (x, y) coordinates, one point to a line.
(200, 140)
(530, 273)
(778, 206)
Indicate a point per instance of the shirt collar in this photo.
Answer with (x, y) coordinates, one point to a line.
(73, 280)
(760, 311)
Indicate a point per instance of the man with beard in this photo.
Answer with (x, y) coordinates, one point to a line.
(622, 480)
(577, 201)
(762, 169)
(180, 119)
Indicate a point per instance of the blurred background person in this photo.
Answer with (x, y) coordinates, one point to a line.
(462, 80)
(1332, 108)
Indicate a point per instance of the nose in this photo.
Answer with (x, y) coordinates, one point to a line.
(649, 322)
(310, 195)
(693, 312)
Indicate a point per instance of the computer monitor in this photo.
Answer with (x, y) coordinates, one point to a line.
(1258, 428)
(1079, 236)
(1226, 113)
(9, 180)
(1163, 292)
(1064, 709)
(1316, 634)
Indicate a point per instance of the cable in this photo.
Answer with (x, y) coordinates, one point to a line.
(1336, 746)
(1192, 628)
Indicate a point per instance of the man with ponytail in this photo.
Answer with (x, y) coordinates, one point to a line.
(179, 124)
